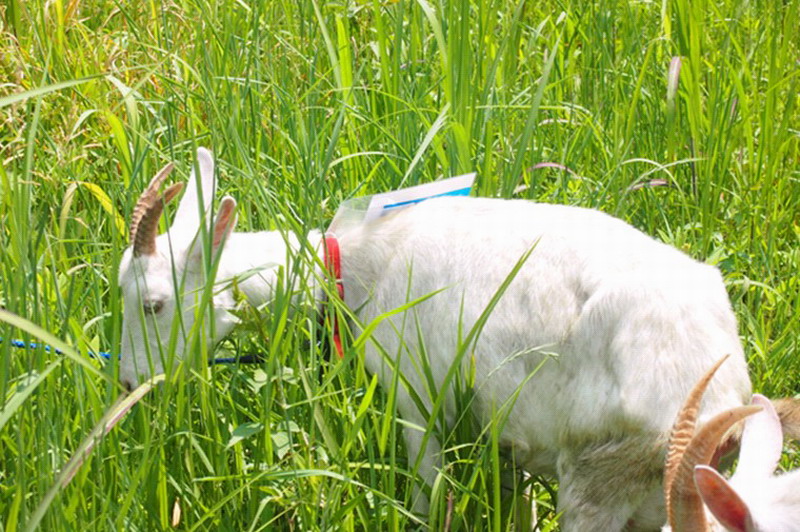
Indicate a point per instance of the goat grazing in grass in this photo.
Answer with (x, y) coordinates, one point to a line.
(628, 325)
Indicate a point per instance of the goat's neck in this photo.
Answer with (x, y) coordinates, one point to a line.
(253, 260)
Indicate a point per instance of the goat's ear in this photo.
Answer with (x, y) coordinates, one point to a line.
(723, 501)
(197, 200)
(223, 226)
(762, 442)
(224, 223)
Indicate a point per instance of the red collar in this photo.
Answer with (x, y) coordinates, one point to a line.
(333, 263)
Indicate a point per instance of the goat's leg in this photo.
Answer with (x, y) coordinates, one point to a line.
(602, 486)
(426, 469)
(524, 503)
(428, 457)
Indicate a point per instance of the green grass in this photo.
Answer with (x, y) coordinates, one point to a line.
(307, 103)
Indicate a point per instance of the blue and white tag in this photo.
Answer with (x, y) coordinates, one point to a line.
(387, 202)
(367, 208)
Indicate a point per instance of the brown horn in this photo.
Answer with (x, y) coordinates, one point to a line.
(147, 211)
(145, 243)
(687, 510)
(172, 191)
(686, 450)
(683, 429)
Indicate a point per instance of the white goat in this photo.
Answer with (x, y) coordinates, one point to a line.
(633, 322)
(753, 500)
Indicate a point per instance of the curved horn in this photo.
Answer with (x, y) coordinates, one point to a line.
(683, 429)
(148, 209)
(687, 510)
(687, 449)
(145, 240)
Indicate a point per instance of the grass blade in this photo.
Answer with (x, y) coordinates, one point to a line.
(113, 416)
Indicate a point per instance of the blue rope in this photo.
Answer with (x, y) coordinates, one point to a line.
(244, 359)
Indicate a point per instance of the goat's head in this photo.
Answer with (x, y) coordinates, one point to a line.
(753, 500)
(162, 277)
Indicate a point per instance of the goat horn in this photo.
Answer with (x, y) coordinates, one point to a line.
(147, 211)
(687, 449)
(687, 506)
(683, 429)
(145, 242)
(172, 191)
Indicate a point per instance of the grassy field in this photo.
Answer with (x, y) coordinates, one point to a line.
(679, 116)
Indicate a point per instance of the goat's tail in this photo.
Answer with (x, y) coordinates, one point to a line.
(789, 412)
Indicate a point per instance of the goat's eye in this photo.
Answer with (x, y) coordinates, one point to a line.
(153, 307)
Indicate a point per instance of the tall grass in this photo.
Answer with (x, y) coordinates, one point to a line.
(306, 103)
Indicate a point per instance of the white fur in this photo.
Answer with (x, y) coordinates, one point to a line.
(627, 325)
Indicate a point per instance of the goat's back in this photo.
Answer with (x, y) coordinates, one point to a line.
(632, 322)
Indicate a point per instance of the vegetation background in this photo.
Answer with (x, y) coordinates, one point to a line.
(679, 116)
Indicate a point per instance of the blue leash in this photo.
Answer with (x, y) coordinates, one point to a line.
(244, 359)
